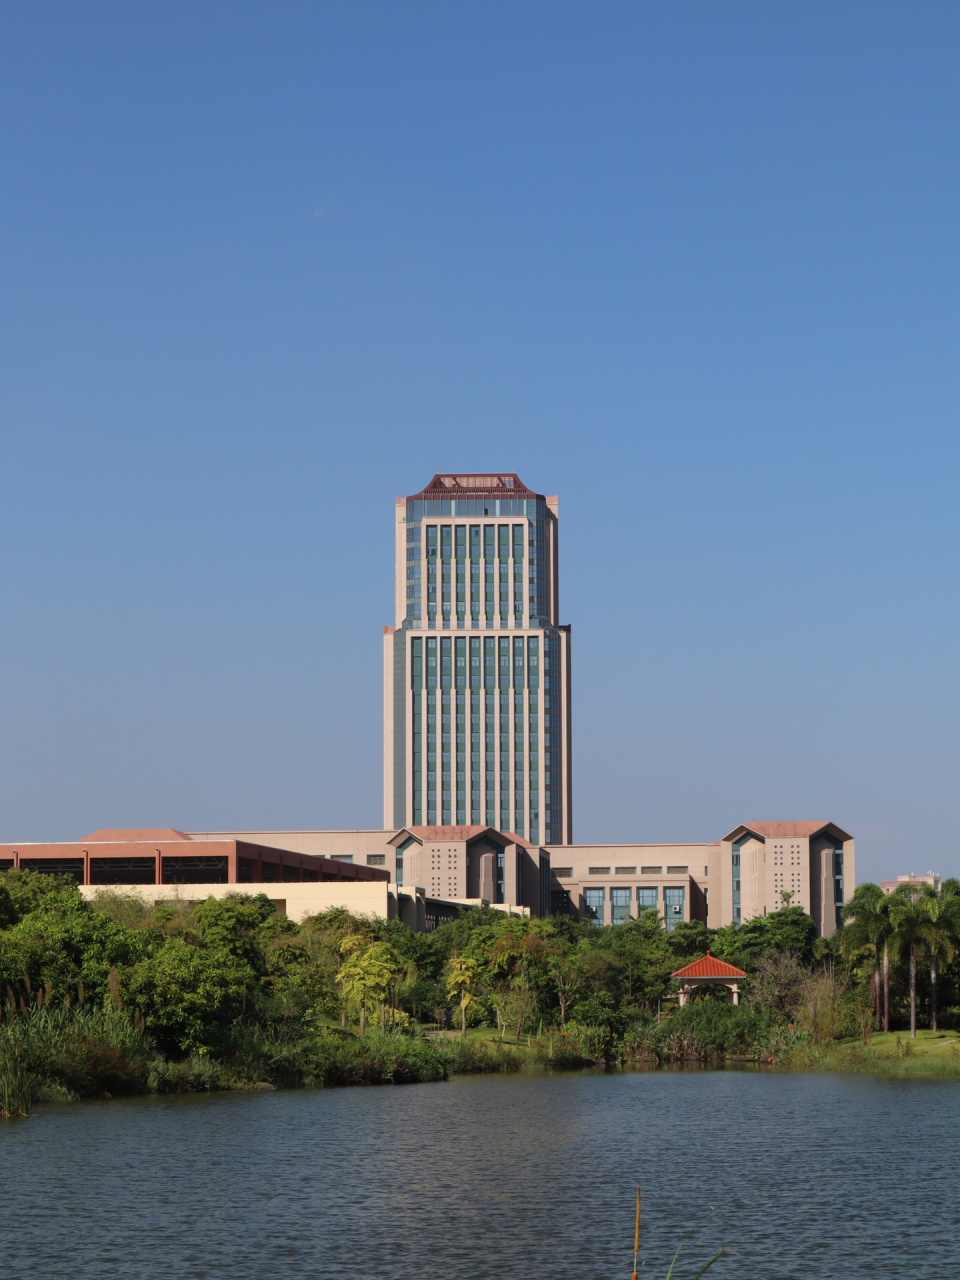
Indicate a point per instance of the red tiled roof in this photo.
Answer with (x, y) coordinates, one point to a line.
(109, 836)
(709, 966)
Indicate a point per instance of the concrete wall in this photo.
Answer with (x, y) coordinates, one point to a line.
(363, 898)
(323, 844)
(700, 865)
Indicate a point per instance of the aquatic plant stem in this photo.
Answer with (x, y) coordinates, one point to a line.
(636, 1238)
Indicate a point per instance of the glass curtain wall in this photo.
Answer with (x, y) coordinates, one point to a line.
(468, 576)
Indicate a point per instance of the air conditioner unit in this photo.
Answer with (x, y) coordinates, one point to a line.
(676, 910)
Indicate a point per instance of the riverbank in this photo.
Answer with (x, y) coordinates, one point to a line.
(933, 1053)
(51, 1058)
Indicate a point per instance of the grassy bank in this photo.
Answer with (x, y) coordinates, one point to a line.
(57, 1054)
(50, 1053)
(933, 1053)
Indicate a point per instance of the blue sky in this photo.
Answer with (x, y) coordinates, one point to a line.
(693, 267)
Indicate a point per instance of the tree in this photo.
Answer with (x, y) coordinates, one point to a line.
(461, 977)
(23, 891)
(778, 984)
(868, 928)
(789, 929)
(909, 921)
(940, 936)
(367, 973)
(567, 974)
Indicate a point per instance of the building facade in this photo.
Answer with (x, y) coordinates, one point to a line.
(423, 874)
(477, 665)
(745, 874)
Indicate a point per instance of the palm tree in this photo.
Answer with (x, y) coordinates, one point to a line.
(367, 973)
(461, 976)
(869, 929)
(910, 921)
(941, 934)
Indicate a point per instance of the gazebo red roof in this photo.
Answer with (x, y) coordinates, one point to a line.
(709, 967)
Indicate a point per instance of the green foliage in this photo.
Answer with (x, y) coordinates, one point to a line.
(118, 996)
(702, 1031)
(23, 891)
(789, 929)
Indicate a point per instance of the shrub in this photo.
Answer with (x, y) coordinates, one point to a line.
(702, 1031)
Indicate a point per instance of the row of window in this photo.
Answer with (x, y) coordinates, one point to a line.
(418, 508)
(674, 899)
(461, 662)
(495, 776)
(629, 871)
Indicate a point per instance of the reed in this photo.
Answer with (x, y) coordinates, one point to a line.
(18, 1087)
(673, 1262)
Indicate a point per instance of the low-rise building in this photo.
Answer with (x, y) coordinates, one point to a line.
(931, 878)
(424, 874)
(753, 870)
(164, 865)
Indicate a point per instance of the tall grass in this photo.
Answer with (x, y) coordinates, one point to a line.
(54, 1050)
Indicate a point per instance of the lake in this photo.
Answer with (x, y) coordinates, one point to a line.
(497, 1177)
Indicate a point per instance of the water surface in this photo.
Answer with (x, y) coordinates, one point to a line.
(493, 1178)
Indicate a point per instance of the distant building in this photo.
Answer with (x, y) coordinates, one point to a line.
(424, 874)
(743, 875)
(164, 865)
(476, 667)
(931, 878)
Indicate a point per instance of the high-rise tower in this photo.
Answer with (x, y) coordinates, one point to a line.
(476, 671)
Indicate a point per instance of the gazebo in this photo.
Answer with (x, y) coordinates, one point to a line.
(709, 971)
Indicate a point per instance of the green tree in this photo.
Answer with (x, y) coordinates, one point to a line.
(65, 943)
(22, 892)
(567, 974)
(910, 927)
(940, 935)
(789, 929)
(868, 929)
(367, 973)
(191, 997)
(461, 978)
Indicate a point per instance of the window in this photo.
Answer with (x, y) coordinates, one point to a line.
(619, 905)
(599, 871)
(341, 857)
(673, 900)
(647, 897)
(651, 871)
(626, 871)
(677, 871)
(375, 860)
(594, 899)
(564, 872)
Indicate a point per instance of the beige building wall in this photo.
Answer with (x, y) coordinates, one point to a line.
(798, 858)
(367, 898)
(355, 844)
(731, 880)
(694, 868)
(449, 863)
(459, 863)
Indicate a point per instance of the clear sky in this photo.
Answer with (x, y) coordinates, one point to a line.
(691, 266)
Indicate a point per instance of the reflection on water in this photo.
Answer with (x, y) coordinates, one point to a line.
(501, 1177)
